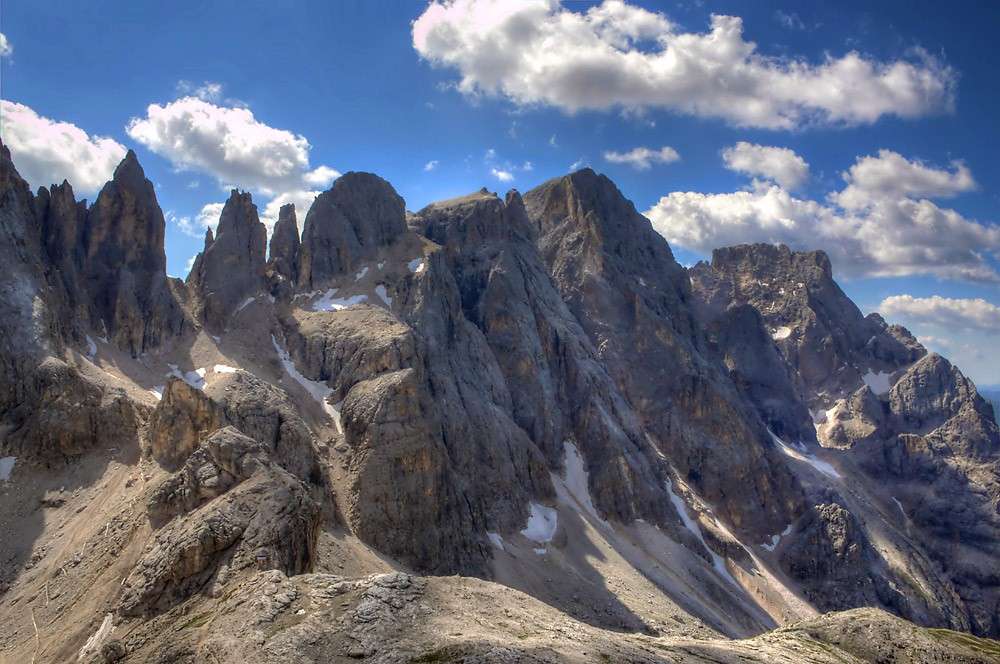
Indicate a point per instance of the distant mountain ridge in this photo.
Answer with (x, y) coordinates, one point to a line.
(261, 462)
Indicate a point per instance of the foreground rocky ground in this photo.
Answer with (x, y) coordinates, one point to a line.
(496, 429)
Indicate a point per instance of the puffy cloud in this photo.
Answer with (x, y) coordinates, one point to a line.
(6, 48)
(971, 314)
(642, 158)
(892, 235)
(230, 144)
(892, 176)
(303, 200)
(431, 165)
(780, 165)
(616, 55)
(502, 175)
(47, 151)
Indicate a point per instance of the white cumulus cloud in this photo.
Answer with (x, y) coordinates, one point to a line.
(302, 200)
(47, 151)
(207, 217)
(6, 48)
(890, 175)
(642, 158)
(971, 314)
(502, 175)
(779, 165)
(431, 165)
(617, 55)
(230, 144)
(893, 234)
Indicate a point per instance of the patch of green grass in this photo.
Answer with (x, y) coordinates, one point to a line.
(197, 621)
(974, 643)
(439, 656)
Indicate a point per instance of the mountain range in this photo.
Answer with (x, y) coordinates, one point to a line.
(497, 429)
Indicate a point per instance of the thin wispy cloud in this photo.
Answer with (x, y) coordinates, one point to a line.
(643, 158)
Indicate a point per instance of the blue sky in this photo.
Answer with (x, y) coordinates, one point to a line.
(365, 88)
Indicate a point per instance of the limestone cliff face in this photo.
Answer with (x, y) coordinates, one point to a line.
(285, 245)
(348, 223)
(231, 266)
(821, 333)
(49, 409)
(558, 389)
(124, 264)
(910, 420)
(620, 280)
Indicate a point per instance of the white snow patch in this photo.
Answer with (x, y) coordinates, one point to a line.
(361, 273)
(642, 282)
(7, 467)
(336, 416)
(215, 338)
(91, 348)
(542, 524)
(319, 391)
(894, 499)
(575, 477)
(157, 391)
(94, 643)
(877, 382)
(496, 540)
(541, 552)
(818, 464)
(380, 265)
(222, 368)
(329, 301)
(777, 538)
(245, 304)
(195, 379)
(782, 332)
(718, 562)
(416, 266)
(381, 292)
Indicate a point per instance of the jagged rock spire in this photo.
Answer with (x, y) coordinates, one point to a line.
(231, 267)
(124, 264)
(285, 244)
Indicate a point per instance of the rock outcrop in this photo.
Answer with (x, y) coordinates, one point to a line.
(346, 224)
(620, 280)
(910, 420)
(826, 340)
(558, 389)
(231, 266)
(256, 515)
(283, 254)
(124, 264)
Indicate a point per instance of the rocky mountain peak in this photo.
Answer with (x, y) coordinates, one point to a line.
(777, 259)
(285, 244)
(231, 266)
(129, 171)
(124, 263)
(816, 326)
(347, 224)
